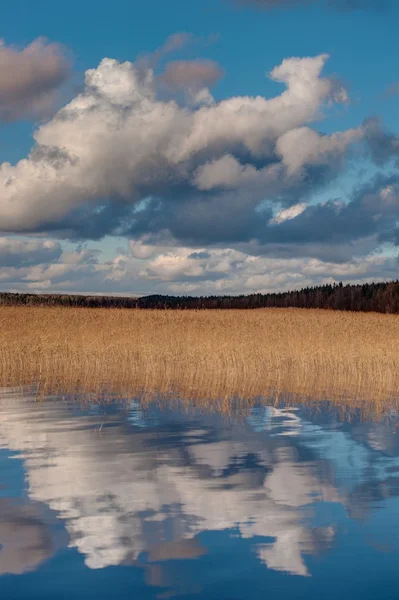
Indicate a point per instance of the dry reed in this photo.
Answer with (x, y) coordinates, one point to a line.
(209, 356)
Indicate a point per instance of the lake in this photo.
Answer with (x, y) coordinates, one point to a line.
(131, 499)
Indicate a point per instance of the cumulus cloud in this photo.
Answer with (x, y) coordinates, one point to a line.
(383, 145)
(301, 245)
(228, 172)
(42, 264)
(118, 142)
(320, 229)
(29, 78)
(304, 146)
(192, 78)
(232, 271)
(208, 192)
(289, 213)
(188, 74)
(22, 253)
(144, 268)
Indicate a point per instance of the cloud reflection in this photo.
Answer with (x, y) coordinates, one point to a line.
(146, 493)
(27, 536)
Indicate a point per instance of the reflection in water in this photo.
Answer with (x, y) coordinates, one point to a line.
(161, 489)
(26, 537)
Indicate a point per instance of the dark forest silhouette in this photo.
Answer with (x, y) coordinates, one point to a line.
(376, 297)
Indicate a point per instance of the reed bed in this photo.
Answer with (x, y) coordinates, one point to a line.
(207, 356)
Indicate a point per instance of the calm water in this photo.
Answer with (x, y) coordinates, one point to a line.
(126, 501)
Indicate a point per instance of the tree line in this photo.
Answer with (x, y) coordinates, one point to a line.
(368, 297)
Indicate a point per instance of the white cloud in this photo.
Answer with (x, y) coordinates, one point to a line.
(217, 197)
(29, 77)
(191, 74)
(304, 146)
(117, 140)
(15, 252)
(289, 213)
(228, 172)
(41, 266)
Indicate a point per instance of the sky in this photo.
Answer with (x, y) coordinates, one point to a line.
(213, 147)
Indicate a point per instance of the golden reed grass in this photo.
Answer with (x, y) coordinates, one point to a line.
(209, 356)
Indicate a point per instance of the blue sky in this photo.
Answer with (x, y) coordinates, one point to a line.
(331, 204)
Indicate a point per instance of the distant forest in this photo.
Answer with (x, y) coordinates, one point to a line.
(369, 297)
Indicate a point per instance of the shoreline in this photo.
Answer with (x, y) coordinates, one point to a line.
(381, 297)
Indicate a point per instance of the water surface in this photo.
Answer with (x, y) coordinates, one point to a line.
(131, 500)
